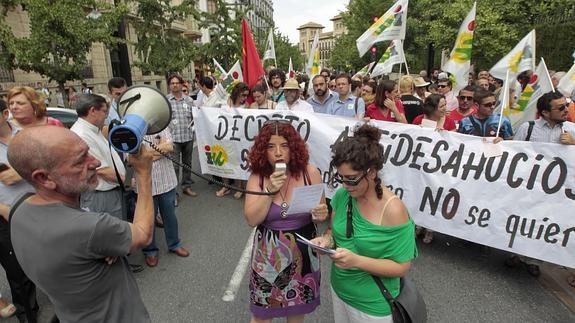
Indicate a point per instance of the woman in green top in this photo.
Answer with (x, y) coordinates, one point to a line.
(377, 240)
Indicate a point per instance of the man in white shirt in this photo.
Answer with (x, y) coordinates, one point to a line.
(210, 98)
(107, 197)
(292, 101)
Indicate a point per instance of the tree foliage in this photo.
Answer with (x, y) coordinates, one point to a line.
(225, 28)
(161, 49)
(500, 24)
(285, 50)
(61, 35)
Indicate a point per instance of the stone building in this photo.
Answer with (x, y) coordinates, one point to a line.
(104, 63)
(326, 39)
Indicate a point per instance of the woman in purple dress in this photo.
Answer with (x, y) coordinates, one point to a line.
(284, 273)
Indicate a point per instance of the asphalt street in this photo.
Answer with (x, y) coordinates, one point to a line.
(460, 281)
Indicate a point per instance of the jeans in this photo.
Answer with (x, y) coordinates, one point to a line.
(165, 204)
(185, 149)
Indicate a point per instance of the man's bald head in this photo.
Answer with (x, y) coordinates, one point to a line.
(39, 148)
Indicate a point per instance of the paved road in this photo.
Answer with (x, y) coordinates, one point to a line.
(461, 281)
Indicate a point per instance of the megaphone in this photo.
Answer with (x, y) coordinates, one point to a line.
(144, 111)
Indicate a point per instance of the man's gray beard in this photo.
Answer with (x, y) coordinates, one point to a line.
(69, 186)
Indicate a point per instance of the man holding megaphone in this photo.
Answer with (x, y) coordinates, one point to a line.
(77, 257)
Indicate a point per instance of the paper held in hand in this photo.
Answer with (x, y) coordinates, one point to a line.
(305, 198)
(314, 246)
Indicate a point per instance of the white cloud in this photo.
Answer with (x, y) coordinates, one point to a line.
(290, 14)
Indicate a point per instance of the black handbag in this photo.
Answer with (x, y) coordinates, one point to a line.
(409, 306)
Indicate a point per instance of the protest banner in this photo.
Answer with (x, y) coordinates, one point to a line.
(514, 196)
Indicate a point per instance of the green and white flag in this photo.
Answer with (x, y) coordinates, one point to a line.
(459, 62)
(393, 55)
(519, 59)
(526, 109)
(219, 71)
(390, 26)
(567, 83)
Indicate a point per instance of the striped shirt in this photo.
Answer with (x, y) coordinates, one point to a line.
(181, 125)
(542, 132)
(163, 175)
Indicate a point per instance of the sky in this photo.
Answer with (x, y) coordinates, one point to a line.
(290, 14)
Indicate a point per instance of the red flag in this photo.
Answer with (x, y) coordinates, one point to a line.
(252, 65)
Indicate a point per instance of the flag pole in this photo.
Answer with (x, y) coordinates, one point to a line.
(404, 59)
(504, 103)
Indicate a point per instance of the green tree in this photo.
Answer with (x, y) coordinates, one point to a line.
(160, 49)
(60, 37)
(500, 24)
(285, 50)
(225, 28)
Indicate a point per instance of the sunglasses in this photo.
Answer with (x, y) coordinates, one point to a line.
(561, 108)
(490, 105)
(349, 182)
(465, 98)
(441, 86)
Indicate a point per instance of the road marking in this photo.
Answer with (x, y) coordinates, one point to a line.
(235, 281)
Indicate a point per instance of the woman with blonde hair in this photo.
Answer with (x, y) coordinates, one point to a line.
(28, 108)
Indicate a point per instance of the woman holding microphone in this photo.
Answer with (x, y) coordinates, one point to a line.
(284, 273)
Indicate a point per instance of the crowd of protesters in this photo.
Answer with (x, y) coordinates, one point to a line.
(84, 174)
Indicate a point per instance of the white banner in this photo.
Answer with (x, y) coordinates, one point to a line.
(520, 200)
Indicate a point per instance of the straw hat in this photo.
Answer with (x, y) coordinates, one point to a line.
(291, 84)
(419, 82)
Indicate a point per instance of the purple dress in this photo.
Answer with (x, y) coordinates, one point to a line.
(285, 274)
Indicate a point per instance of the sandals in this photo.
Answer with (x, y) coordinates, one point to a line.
(8, 311)
(238, 195)
(223, 192)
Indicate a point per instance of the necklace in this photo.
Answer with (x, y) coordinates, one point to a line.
(284, 206)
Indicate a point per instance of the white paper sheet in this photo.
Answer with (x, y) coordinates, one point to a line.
(314, 246)
(305, 198)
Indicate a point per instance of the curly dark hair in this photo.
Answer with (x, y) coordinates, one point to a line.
(362, 151)
(299, 156)
(277, 72)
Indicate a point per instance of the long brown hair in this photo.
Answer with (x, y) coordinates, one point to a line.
(382, 87)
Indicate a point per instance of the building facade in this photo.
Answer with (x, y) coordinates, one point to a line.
(104, 63)
(327, 40)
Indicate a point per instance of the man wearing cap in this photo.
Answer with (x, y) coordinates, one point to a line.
(446, 89)
(292, 101)
(322, 97)
(346, 105)
(421, 88)
(466, 105)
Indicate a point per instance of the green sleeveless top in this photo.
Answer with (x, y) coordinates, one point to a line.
(356, 287)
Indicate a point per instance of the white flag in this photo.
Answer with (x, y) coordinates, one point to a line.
(393, 55)
(312, 67)
(459, 62)
(236, 72)
(526, 109)
(519, 59)
(567, 83)
(270, 52)
(390, 26)
(291, 72)
(504, 102)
